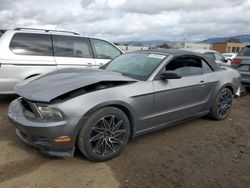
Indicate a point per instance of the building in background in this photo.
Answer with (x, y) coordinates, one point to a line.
(190, 45)
(231, 46)
(130, 48)
(196, 46)
(176, 45)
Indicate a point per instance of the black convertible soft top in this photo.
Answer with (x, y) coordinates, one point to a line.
(177, 53)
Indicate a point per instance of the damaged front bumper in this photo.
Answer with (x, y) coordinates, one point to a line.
(42, 134)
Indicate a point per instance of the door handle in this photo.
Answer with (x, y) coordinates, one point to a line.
(203, 84)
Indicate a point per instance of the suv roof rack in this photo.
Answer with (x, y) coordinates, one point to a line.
(46, 30)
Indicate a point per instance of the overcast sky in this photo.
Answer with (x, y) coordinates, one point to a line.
(121, 20)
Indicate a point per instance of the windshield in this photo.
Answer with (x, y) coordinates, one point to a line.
(137, 66)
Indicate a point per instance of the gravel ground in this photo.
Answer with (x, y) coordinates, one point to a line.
(199, 153)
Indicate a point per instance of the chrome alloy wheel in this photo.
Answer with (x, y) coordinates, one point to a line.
(225, 103)
(107, 135)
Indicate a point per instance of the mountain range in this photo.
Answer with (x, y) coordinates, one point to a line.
(242, 38)
(144, 42)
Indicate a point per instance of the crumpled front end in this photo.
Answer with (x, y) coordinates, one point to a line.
(52, 137)
(53, 85)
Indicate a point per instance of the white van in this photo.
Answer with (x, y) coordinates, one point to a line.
(27, 52)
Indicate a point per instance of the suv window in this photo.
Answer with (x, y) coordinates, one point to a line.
(187, 66)
(105, 50)
(70, 46)
(244, 52)
(31, 44)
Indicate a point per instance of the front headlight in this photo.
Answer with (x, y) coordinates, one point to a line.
(50, 113)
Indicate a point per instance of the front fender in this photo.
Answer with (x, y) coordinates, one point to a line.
(126, 108)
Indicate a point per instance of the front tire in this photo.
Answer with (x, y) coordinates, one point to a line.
(104, 134)
(222, 104)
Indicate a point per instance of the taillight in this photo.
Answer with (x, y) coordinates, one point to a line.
(236, 61)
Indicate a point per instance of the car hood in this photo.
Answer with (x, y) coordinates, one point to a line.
(50, 86)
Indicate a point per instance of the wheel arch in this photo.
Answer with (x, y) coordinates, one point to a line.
(130, 116)
(124, 107)
(219, 88)
(230, 87)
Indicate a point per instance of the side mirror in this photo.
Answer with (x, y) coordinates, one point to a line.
(169, 75)
(225, 60)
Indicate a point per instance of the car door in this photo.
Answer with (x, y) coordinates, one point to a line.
(104, 51)
(177, 99)
(73, 52)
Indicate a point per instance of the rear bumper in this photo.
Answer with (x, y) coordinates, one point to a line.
(42, 134)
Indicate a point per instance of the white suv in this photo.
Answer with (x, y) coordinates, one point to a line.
(27, 52)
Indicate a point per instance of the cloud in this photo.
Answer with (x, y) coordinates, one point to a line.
(86, 3)
(156, 7)
(120, 20)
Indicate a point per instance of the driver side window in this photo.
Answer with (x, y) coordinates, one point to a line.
(188, 66)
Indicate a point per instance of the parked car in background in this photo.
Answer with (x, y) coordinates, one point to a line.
(229, 56)
(215, 56)
(242, 63)
(26, 52)
(99, 110)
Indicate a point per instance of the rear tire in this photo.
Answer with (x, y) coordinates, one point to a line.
(222, 104)
(104, 134)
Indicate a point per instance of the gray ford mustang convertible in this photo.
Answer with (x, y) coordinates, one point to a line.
(98, 111)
